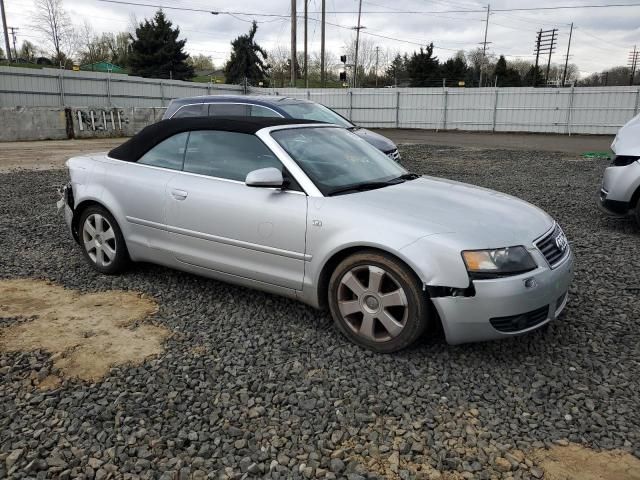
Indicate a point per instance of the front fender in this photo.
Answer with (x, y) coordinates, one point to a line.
(437, 260)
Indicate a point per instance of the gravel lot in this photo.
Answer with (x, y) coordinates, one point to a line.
(253, 385)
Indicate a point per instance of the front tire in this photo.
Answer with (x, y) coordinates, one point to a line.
(376, 302)
(101, 241)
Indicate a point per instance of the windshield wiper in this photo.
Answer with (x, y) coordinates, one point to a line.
(409, 176)
(361, 187)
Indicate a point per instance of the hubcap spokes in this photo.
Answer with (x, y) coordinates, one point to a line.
(372, 303)
(99, 240)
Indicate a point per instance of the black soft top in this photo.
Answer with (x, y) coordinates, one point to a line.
(150, 136)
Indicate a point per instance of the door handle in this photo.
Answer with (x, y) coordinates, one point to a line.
(178, 194)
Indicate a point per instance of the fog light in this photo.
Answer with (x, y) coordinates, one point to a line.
(530, 282)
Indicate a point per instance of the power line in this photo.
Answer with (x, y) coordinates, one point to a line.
(344, 12)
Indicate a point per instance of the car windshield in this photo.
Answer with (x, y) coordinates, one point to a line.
(314, 111)
(338, 161)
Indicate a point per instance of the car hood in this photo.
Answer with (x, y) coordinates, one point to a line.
(375, 139)
(479, 217)
(627, 141)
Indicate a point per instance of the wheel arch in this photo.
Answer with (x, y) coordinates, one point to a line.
(332, 262)
(635, 198)
(77, 213)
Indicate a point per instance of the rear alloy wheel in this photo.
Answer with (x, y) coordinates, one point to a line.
(375, 301)
(101, 240)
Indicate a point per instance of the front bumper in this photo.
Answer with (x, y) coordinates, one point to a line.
(65, 204)
(506, 307)
(616, 208)
(619, 183)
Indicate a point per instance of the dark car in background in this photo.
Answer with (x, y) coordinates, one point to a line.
(273, 106)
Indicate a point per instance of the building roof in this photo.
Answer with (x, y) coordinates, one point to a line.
(152, 135)
(101, 67)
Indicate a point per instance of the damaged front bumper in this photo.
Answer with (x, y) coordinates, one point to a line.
(505, 307)
(65, 204)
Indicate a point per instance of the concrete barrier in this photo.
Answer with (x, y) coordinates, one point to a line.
(56, 123)
(32, 123)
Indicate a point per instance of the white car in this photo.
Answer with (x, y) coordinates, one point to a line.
(620, 190)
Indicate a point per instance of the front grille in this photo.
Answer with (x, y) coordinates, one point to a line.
(516, 323)
(394, 155)
(554, 246)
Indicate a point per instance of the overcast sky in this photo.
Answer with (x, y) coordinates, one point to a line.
(602, 37)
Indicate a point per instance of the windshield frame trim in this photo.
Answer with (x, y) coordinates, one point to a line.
(292, 166)
(300, 175)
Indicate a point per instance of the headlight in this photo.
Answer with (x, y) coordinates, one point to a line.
(498, 262)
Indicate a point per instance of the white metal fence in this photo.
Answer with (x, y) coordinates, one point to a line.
(50, 87)
(591, 110)
(595, 110)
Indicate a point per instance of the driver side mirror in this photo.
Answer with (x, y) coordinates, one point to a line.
(265, 177)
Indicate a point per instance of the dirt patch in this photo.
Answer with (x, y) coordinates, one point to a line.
(575, 462)
(86, 334)
(49, 154)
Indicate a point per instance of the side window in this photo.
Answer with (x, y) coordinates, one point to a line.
(260, 111)
(229, 155)
(229, 110)
(199, 110)
(167, 154)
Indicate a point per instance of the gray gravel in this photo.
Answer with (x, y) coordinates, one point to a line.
(274, 391)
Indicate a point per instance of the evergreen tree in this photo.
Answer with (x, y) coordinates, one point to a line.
(423, 68)
(396, 73)
(247, 59)
(534, 77)
(454, 70)
(156, 51)
(506, 76)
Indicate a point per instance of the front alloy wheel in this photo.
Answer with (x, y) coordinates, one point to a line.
(102, 242)
(375, 302)
(372, 303)
(99, 240)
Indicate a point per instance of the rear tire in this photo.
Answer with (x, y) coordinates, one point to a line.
(636, 212)
(101, 241)
(376, 302)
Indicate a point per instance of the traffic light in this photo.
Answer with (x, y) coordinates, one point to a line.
(343, 76)
(343, 58)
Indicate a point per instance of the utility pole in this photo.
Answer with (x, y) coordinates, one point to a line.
(566, 62)
(377, 53)
(14, 35)
(554, 37)
(294, 20)
(306, 27)
(355, 61)
(545, 42)
(6, 31)
(535, 68)
(484, 44)
(634, 56)
(322, 73)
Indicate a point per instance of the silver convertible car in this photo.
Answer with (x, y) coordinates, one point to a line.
(311, 211)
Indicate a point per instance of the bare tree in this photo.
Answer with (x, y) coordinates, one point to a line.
(201, 63)
(279, 62)
(28, 51)
(366, 55)
(53, 22)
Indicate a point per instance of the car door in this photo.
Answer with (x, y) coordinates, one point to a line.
(140, 190)
(217, 222)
